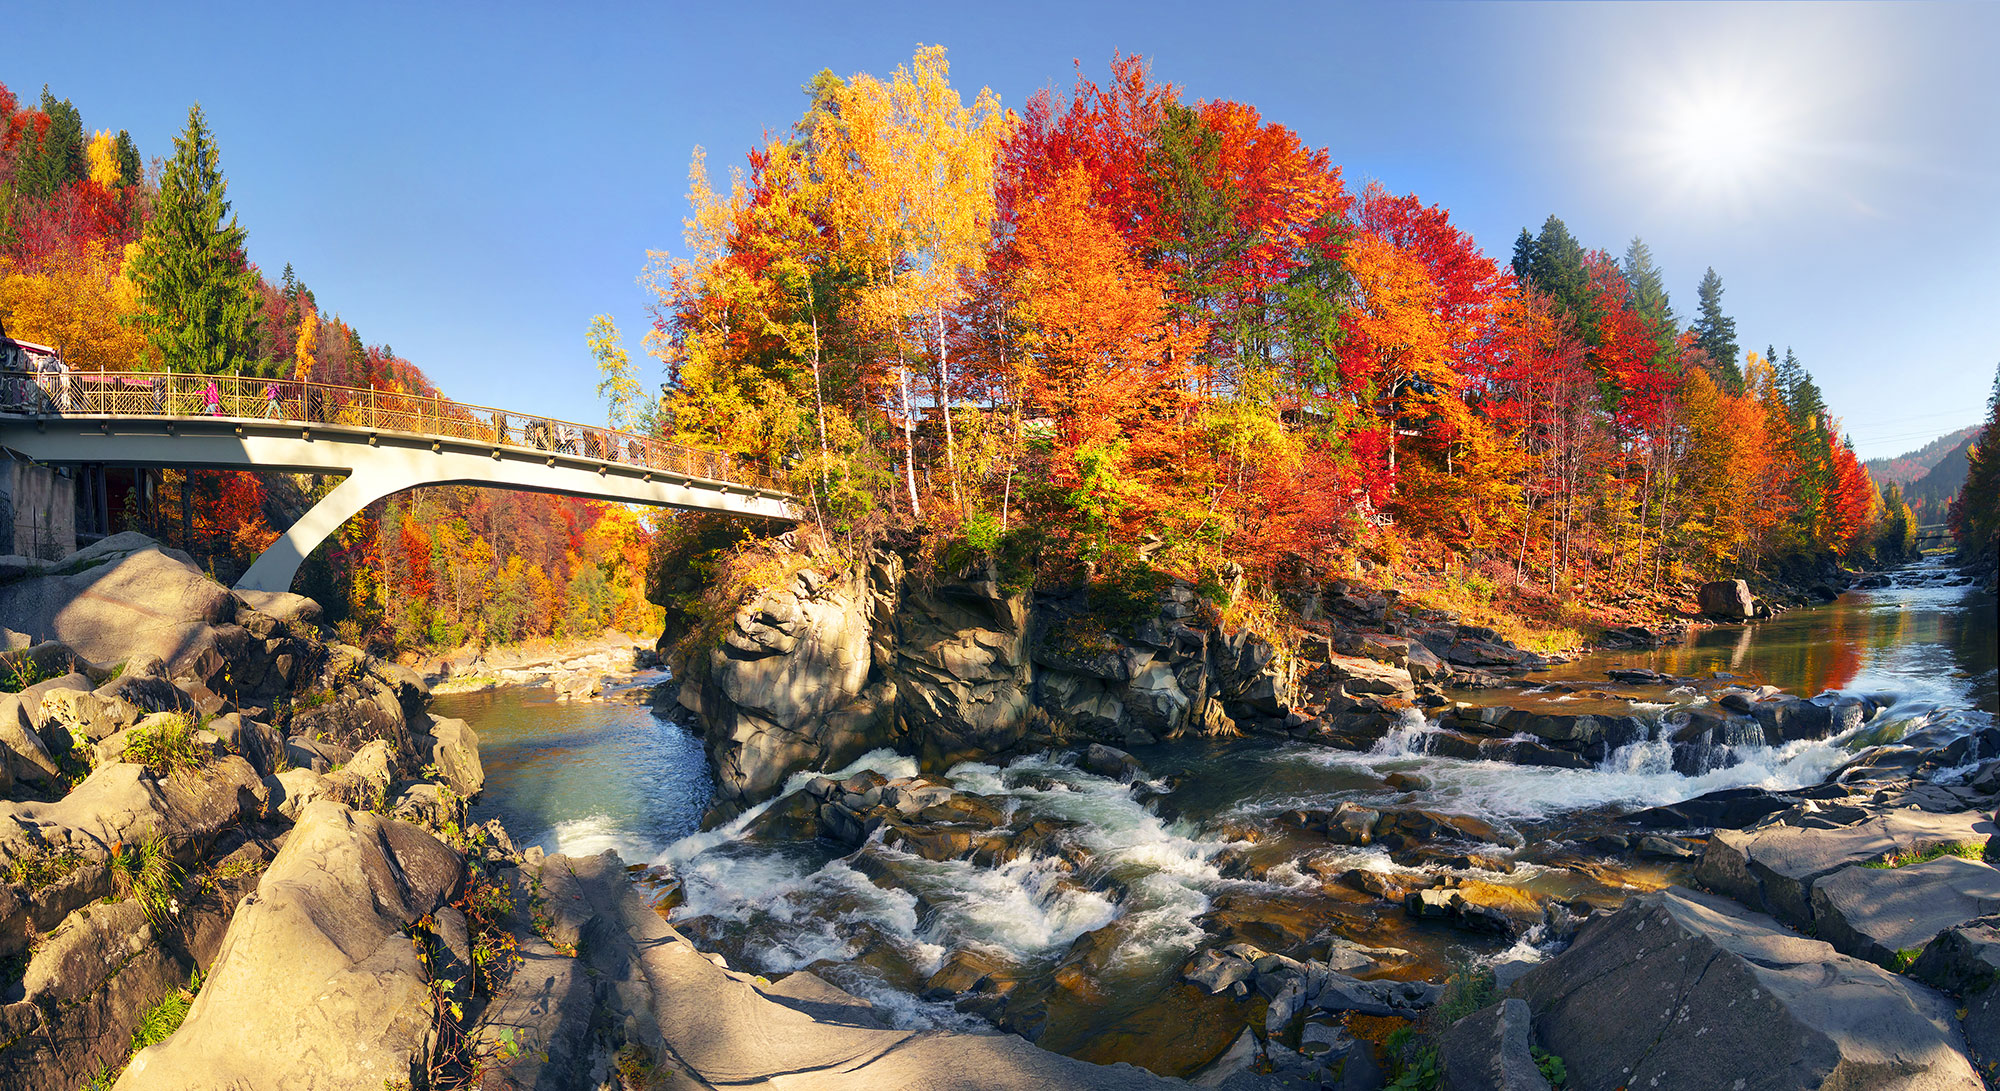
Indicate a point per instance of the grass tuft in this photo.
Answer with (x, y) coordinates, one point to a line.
(1969, 850)
(168, 747)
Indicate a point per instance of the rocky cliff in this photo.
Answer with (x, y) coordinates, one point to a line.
(811, 674)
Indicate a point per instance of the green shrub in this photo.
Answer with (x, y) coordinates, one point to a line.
(23, 672)
(1413, 1050)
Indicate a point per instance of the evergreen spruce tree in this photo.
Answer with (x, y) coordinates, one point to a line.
(1559, 272)
(1715, 332)
(1975, 513)
(1649, 288)
(197, 298)
(57, 159)
(130, 169)
(1524, 258)
(1649, 299)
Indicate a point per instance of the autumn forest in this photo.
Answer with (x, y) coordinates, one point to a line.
(1119, 331)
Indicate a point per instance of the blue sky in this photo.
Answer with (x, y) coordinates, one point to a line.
(469, 183)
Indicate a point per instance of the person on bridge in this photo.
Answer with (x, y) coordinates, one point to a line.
(212, 397)
(271, 406)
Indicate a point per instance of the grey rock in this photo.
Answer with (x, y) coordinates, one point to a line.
(22, 753)
(118, 599)
(1218, 972)
(963, 669)
(1489, 1051)
(1727, 599)
(454, 750)
(1109, 761)
(1774, 868)
(315, 985)
(1681, 989)
(1876, 913)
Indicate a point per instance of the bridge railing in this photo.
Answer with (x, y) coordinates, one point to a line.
(172, 394)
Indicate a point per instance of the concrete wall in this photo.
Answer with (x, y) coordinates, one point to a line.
(37, 511)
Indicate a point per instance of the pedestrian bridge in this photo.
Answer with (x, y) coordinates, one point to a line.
(382, 442)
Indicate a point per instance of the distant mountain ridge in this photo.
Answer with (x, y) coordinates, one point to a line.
(1930, 496)
(1905, 468)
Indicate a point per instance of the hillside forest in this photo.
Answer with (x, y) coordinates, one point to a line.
(126, 266)
(1123, 331)
(1115, 333)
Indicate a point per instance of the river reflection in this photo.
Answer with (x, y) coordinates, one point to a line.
(1925, 644)
(580, 777)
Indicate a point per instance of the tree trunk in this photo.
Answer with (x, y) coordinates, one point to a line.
(944, 410)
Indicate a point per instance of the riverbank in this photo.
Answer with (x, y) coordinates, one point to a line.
(1397, 811)
(580, 669)
(239, 855)
(1257, 909)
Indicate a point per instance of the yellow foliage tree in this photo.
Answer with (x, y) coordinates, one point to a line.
(308, 343)
(909, 175)
(78, 303)
(104, 159)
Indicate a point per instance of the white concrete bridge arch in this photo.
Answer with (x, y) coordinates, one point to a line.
(382, 443)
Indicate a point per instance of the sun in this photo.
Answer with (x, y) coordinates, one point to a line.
(1721, 139)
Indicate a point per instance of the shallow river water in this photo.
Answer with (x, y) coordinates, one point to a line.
(581, 778)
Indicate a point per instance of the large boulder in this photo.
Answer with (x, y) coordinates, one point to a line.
(82, 994)
(68, 843)
(787, 687)
(121, 598)
(1728, 600)
(1491, 1050)
(1964, 960)
(453, 748)
(1681, 989)
(963, 670)
(1357, 676)
(316, 984)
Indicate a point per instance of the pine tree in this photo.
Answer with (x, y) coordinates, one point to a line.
(1975, 513)
(1524, 258)
(1649, 300)
(130, 169)
(197, 298)
(1715, 332)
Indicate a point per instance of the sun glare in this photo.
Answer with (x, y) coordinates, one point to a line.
(1720, 141)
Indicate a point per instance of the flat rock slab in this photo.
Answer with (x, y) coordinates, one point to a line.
(1684, 990)
(1874, 913)
(1773, 869)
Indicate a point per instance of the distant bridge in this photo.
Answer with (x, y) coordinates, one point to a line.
(383, 442)
(1934, 535)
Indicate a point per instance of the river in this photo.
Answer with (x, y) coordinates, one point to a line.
(1201, 847)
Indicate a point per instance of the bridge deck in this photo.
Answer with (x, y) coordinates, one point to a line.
(379, 442)
(277, 402)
